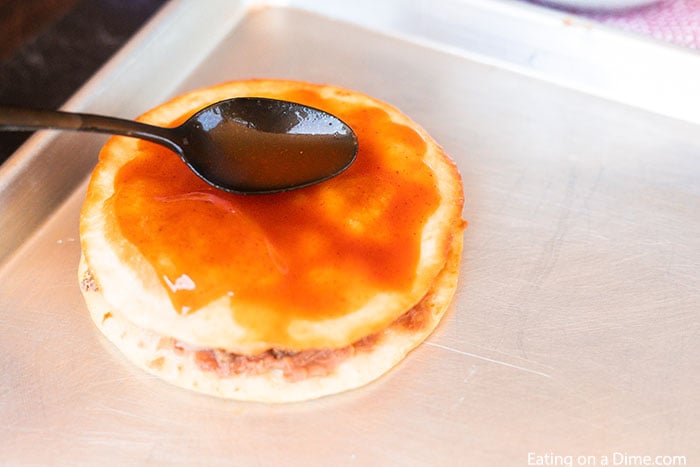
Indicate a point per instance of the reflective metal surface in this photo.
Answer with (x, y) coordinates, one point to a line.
(575, 330)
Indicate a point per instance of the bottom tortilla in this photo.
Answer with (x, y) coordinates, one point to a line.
(178, 366)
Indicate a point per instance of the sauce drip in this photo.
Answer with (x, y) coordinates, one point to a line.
(314, 253)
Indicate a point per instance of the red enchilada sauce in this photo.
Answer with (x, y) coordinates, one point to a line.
(313, 253)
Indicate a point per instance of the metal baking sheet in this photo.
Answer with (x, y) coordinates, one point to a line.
(575, 330)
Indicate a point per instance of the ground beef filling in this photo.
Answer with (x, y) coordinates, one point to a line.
(88, 282)
(294, 366)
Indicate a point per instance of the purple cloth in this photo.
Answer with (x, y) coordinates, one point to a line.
(673, 21)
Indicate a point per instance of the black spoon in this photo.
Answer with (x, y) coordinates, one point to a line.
(242, 145)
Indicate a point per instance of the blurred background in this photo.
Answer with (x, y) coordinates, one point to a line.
(49, 48)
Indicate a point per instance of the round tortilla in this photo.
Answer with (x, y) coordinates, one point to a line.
(130, 304)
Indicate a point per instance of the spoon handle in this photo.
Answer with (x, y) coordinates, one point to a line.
(24, 119)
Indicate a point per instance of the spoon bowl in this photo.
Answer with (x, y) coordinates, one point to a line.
(246, 145)
(266, 145)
